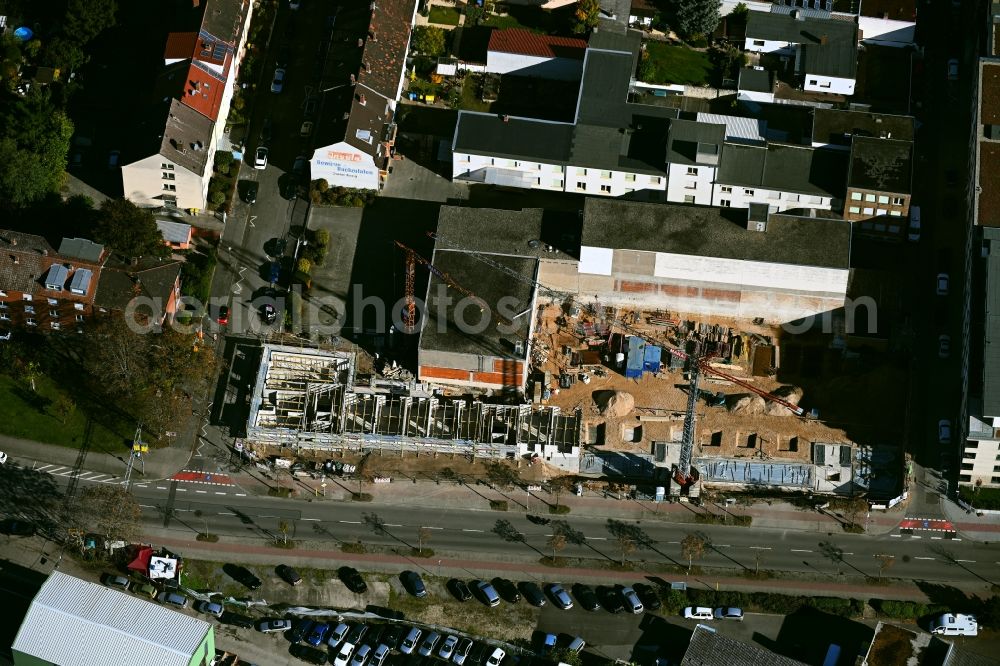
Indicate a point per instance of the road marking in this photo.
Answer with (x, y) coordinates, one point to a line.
(465, 530)
(429, 527)
(56, 469)
(967, 561)
(42, 467)
(800, 550)
(182, 490)
(898, 536)
(223, 513)
(310, 519)
(141, 486)
(241, 494)
(936, 538)
(202, 492)
(596, 538)
(847, 553)
(219, 493)
(924, 558)
(916, 537)
(148, 506)
(674, 542)
(717, 545)
(350, 522)
(161, 487)
(760, 547)
(392, 525)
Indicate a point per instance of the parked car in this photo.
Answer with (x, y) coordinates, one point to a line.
(266, 130)
(236, 620)
(393, 635)
(486, 593)
(942, 284)
(300, 629)
(944, 346)
(953, 69)
(914, 233)
(649, 596)
(250, 192)
(586, 596)
(317, 636)
(611, 600)
(944, 431)
(462, 651)
(548, 643)
(632, 602)
(532, 593)
(273, 625)
(361, 656)
(260, 158)
(413, 583)
(379, 655)
(356, 633)
(374, 636)
(285, 572)
(729, 614)
(337, 634)
(410, 641)
(145, 590)
(17, 527)
(270, 315)
(352, 579)
(698, 613)
(278, 81)
(306, 129)
(559, 596)
(294, 4)
(307, 653)
(955, 624)
(301, 166)
(507, 589)
(430, 642)
(222, 318)
(447, 648)
(496, 657)
(284, 55)
(343, 657)
(173, 599)
(209, 608)
(576, 644)
(459, 589)
(119, 582)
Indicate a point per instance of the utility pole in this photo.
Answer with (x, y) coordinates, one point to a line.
(138, 448)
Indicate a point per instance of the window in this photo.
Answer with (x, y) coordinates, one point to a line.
(897, 201)
(995, 479)
(996, 468)
(870, 198)
(630, 178)
(581, 172)
(169, 188)
(27, 297)
(869, 211)
(691, 185)
(29, 309)
(654, 180)
(168, 175)
(726, 189)
(54, 325)
(883, 199)
(79, 317)
(53, 313)
(629, 190)
(167, 167)
(52, 301)
(854, 209)
(774, 195)
(517, 164)
(758, 42)
(468, 158)
(692, 171)
(816, 200)
(606, 175)
(30, 322)
(965, 477)
(867, 225)
(493, 161)
(78, 306)
(826, 84)
(747, 192)
(581, 186)
(967, 466)
(856, 196)
(725, 203)
(813, 82)
(975, 445)
(557, 182)
(4, 316)
(538, 181)
(3, 306)
(688, 199)
(794, 198)
(880, 211)
(606, 189)
(557, 169)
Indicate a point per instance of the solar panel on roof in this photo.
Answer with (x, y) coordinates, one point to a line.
(219, 51)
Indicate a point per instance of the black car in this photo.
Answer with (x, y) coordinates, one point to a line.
(375, 634)
(15, 527)
(250, 192)
(284, 55)
(241, 575)
(356, 633)
(478, 653)
(507, 590)
(648, 595)
(300, 629)
(611, 599)
(236, 620)
(269, 314)
(309, 653)
(532, 593)
(266, 130)
(285, 572)
(459, 589)
(393, 635)
(413, 583)
(586, 597)
(352, 579)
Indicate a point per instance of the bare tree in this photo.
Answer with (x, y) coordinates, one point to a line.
(626, 546)
(284, 527)
(423, 536)
(885, 561)
(501, 474)
(375, 522)
(692, 548)
(556, 543)
(506, 531)
(572, 535)
(198, 513)
(64, 407)
(559, 485)
(110, 511)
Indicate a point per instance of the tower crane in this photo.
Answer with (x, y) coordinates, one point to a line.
(696, 365)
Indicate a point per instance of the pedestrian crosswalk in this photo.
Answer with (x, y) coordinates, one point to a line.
(81, 475)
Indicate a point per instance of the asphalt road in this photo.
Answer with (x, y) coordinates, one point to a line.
(183, 510)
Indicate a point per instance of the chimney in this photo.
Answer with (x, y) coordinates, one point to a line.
(505, 118)
(361, 42)
(15, 259)
(195, 4)
(354, 80)
(797, 15)
(372, 35)
(361, 100)
(824, 40)
(13, 241)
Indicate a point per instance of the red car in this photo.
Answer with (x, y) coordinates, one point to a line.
(223, 315)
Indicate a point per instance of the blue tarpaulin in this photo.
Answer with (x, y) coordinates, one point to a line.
(634, 363)
(651, 358)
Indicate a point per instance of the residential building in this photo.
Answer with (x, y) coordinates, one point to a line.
(151, 287)
(879, 185)
(642, 13)
(181, 131)
(755, 84)
(176, 235)
(524, 53)
(357, 107)
(694, 150)
(43, 289)
(708, 646)
(73, 622)
(823, 51)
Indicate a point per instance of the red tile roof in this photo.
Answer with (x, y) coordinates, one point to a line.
(180, 45)
(525, 42)
(203, 90)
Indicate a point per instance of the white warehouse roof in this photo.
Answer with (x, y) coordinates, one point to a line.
(73, 622)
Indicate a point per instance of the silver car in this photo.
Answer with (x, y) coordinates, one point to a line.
(278, 82)
(632, 600)
(462, 651)
(430, 642)
(448, 647)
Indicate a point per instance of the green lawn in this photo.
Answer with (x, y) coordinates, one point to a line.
(444, 15)
(676, 64)
(472, 99)
(32, 415)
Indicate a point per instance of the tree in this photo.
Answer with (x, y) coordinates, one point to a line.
(506, 531)
(565, 530)
(626, 546)
(586, 16)
(63, 407)
(559, 485)
(556, 543)
(375, 522)
(31, 372)
(34, 144)
(429, 40)
(423, 536)
(692, 548)
(696, 17)
(740, 11)
(130, 230)
(284, 526)
(198, 513)
(884, 562)
(501, 474)
(304, 266)
(110, 511)
(563, 655)
(86, 19)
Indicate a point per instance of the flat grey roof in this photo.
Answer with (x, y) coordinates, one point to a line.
(829, 46)
(837, 126)
(755, 80)
(785, 167)
(881, 164)
(991, 340)
(440, 330)
(523, 233)
(513, 138)
(688, 138)
(715, 232)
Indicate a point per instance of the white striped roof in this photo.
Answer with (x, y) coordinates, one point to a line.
(738, 128)
(74, 622)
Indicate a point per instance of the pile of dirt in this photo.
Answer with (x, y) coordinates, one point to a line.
(745, 404)
(792, 394)
(614, 404)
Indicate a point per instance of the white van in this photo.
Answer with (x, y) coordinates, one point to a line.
(955, 624)
(914, 233)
